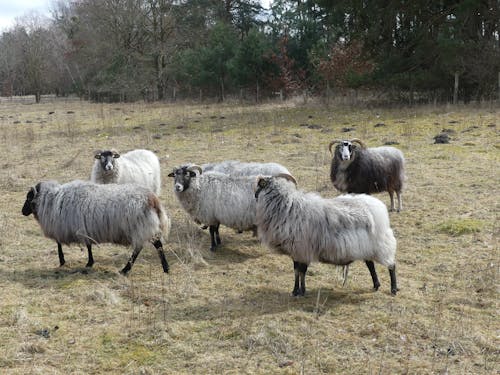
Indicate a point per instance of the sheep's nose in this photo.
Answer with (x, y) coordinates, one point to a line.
(178, 188)
(108, 167)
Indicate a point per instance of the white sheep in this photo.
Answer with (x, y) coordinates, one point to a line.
(87, 213)
(309, 228)
(137, 166)
(214, 198)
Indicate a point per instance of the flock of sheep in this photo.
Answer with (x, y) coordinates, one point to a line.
(120, 205)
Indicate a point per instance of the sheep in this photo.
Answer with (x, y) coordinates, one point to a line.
(84, 212)
(238, 168)
(137, 166)
(367, 170)
(310, 228)
(215, 198)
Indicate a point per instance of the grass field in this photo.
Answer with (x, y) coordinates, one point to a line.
(232, 311)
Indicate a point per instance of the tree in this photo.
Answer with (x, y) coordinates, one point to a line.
(251, 63)
(208, 66)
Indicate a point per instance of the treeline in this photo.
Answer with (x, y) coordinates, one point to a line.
(125, 50)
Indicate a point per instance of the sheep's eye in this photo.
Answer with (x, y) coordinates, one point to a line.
(262, 183)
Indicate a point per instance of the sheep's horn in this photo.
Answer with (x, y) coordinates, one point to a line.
(358, 141)
(332, 143)
(288, 177)
(195, 168)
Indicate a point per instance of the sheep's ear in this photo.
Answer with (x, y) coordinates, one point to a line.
(116, 155)
(262, 183)
(171, 174)
(97, 156)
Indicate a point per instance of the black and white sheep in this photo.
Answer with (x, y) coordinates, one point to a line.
(309, 228)
(87, 213)
(140, 167)
(215, 198)
(358, 169)
(238, 168)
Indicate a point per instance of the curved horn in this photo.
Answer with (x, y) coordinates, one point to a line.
(359, 142)
(195, 168)
(288, 177)
(331, 144)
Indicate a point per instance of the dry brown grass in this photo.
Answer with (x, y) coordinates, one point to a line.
(231, 311)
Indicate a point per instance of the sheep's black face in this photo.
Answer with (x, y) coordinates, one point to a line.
(262, 183)
(107, 159)
(29, 206)
(182, 178)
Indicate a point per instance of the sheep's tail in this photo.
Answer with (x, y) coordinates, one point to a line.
(155, 204)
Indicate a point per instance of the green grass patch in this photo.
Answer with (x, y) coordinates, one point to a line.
(457, 227)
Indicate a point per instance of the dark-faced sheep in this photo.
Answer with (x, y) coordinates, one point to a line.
(215, 198)
(140, 167)
(83, 212)
(309, 228)
(358, 169)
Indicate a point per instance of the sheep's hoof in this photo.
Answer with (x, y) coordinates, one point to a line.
(89, 264)
(125, 269)
(376, 286)
(394, 291)
(212, 248)
(298, 292)
(218, 241)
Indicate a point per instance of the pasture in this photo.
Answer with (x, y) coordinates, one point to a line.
(232, 311)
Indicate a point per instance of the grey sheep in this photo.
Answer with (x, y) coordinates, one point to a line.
(358, 169)
(215, 198)
(87, 213)
(141, 167)
(309, 228)
(238, 168)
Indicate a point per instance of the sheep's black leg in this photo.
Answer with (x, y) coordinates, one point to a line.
(302, 273)
(212, 229)
(296, 288)
(371, 267)
(131, 260)
(159, 247)
(217, 237)
(394, 286)
(300, 270)
(61, 254)
(91, 258)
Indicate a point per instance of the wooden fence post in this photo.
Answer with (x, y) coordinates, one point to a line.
(455, 89)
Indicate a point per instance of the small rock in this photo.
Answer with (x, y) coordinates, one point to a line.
(313, 126)
(345, 130)
(43, 332)
(379, 125)
(442, 138)
(157, 136)
(389, 143)
(285, 364)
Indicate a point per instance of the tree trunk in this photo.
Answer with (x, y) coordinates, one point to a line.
(37, 97)
(455, 89)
